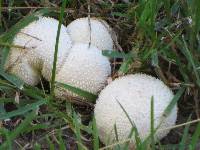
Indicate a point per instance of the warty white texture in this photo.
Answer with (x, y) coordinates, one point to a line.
(134, 93)
(38, 40)
(85, 68)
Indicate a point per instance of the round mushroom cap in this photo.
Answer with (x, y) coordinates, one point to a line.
(38, 40)
(79, 31)
(85, 68)
(134, 93)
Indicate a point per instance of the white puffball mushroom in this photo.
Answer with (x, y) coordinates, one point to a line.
(39, 39)
(79, 31)
(134, 93)
(85, 68)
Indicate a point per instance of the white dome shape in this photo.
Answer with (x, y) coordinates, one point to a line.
(134, 93)
(79, 31)
(85, 68)
(39, 39)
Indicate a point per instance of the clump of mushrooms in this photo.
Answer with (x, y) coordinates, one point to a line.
(134, 94)
(78, 64)
(82, 65)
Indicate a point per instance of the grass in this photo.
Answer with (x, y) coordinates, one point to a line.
(160, 38)
(56, 47)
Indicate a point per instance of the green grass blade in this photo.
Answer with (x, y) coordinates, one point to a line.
(118, 14)
(37, 146)
(115, 54)
(125, 66)
(64, 3)
(134, 128)
(22, 127)
(9, 35)
(152, 124)
(6, 100)
(148, 17)
(171, 105)
(195, 138)
(61, 142)
(167, 110)
(195, 26)
(12, 79)
(19, 130)
(95, 135)
(33, 92)
(77, 131)
(22, 110)
(37, 127)
(154, 59)
(6, 133)
(171, 147)
(132, 132)
(117, 137)
(51, 145)
(190, 59)
(116, 133)
(6, 83)
(132, 123)
(89, 96)
(182, 144)
(9, 141)
(0, 13)
(67, 118)
(173, 102)
(160, 146)
(2, 109)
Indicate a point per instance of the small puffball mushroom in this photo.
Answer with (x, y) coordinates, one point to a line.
(85, 68)
(38, 41)
(79, 31)
(134, 93)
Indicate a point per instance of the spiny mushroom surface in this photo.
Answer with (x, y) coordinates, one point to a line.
(134, 93)
(85, 68)
(38, 40)
(79, 31)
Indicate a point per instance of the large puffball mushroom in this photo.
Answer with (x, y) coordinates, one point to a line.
(101, 37)
(134, 93)
(85, 68)
(38, 41)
